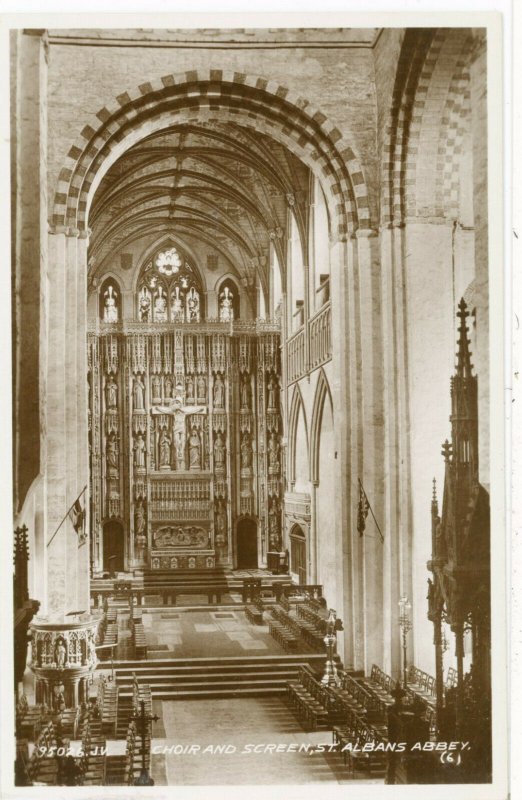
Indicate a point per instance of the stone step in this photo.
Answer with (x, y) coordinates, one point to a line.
(208, 693)
(156, 687)
(188, 680)
(185, 671)
(219, 662)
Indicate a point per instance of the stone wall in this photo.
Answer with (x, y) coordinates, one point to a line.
(84, 78)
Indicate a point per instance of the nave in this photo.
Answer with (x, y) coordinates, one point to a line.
(250, 301)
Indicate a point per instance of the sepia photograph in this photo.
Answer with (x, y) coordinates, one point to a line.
(256, 366)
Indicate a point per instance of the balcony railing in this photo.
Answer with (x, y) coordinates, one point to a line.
(319, 334)
(296, 361)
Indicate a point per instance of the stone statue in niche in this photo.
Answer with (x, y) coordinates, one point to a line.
(110, 311)
(139, 519)
(245, 394)
(111, 392)
(138, 394)
(60, 653)
(202, 388)
(273, 454)
(164, 450)
(168, 388)
(112, 455)
(58, 700)
(194, 450)
(144, 305)
(226, 308)
(177, 313)
(272, 394)
(180, 450)
(274, 538)
(160, 306)
(219, 454)
(219, 391)
(139, 453)
(193, 306)
(156, 389)
(190, 388)
(246, 452)
(221, 525)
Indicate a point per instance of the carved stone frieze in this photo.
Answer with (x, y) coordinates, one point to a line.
(188, 536)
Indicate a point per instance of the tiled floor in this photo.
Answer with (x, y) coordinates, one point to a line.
(239, 725)
(198, 633)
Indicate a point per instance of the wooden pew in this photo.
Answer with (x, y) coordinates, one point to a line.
(29, 719)
(107, 704)
(253, 614)
(43, 767)
(310, 700)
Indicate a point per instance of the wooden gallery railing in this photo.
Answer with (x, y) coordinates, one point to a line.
(302, 359)
(320, 336)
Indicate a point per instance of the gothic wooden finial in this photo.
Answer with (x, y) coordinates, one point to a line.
(464, 365)
(434, 502)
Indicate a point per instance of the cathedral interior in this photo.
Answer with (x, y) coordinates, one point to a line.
(250, 303)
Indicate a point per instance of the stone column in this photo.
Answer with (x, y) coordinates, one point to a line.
(66, 469)
(344, 399)
(391, 289)
(372, 456)
(29, 49)
(479, 133)
(312, 548)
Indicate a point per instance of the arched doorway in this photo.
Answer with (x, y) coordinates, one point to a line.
(298, 553)
(246, 544)
(113, 547)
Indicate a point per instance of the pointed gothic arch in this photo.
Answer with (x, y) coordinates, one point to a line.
(322, 392)
(163, 241)
(296, 408)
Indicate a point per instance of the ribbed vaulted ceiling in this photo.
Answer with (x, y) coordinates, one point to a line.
(219, 183)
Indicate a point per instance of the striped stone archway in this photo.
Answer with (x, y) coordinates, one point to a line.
(427, 123)
(222, 97)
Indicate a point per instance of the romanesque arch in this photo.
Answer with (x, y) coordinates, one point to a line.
(419, 162)
(214, 96)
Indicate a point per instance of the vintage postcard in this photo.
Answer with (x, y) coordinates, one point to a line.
(257, 332)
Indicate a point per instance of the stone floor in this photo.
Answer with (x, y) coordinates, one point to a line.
(238, 725)
(217, 631)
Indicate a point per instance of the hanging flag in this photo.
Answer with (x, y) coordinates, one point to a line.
(77, 517)
(362, 510)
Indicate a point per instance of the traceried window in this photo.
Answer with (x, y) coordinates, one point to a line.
(169, 290)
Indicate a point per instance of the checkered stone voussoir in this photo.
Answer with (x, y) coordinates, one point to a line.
(306, 131)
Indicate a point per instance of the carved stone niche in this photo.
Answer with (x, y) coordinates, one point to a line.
(63, 658)
(297, 511)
